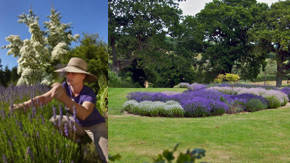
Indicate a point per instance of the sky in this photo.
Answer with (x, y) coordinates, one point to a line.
(85, 16)
(192, 7)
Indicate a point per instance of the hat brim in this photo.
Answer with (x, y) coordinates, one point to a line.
(89, 78)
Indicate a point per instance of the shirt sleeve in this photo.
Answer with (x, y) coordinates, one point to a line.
(90, 96)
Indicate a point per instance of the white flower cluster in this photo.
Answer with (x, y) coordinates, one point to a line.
(59, 50)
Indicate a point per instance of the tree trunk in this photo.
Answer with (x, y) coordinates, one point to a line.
(279, 75)
(115, 58)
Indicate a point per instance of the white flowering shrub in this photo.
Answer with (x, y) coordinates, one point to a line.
(38, 55)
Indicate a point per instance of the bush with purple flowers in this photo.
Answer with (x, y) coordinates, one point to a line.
(200, 101)
(286, 90)
(267, 94)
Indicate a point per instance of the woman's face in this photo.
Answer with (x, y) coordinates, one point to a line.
(74, 78)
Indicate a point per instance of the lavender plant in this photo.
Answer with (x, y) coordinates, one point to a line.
(182, 85)
(28, 135)
(286, 90)
(156, 108)
(268, 94)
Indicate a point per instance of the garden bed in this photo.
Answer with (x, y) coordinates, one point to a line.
(204, 100)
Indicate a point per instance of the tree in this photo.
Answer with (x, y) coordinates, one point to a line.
(272, 35)
(139, 37)
(226, 24)
(39, 54)
(7, 76)
(95, 53)
(134, 23)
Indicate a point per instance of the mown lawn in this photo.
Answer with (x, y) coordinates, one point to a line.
(247, 137)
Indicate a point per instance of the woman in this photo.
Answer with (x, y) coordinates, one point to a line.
(79, 98)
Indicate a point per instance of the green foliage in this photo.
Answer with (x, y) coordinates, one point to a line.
(232, 77)
(119, 82)
(255, 105)
(190, 156)
(273, 102)
(228, 77)
(143, 47)
(272, 35)
(225, 25)
(8, 76)
(95, 53)
(217, 111)
(220, 78)
(197, 112)
(114, 157)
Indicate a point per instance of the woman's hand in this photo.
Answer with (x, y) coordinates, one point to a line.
(17, 107)
(58, 92)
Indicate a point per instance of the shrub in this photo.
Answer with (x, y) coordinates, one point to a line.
(236, 108)
(182, 85)
(218, 108)
(273, 102)
(196, 86)
(255, 105)
(220, 78)
(281, 96)
(232, 77)
(130, 105)
(154, 108)
(118, 82)
(286, 90)
(225, 90)
(148, 96)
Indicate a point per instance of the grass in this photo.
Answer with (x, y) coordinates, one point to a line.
(247, 137)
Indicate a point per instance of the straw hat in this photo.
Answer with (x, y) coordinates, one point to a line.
(77, 65)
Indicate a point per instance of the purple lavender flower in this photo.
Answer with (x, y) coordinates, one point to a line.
(74, 127)
(37, 134)
(196, 86)
(29, 153)
(68, 121)
(286, 90)
(10, 143)
(65, 129)
(42, 119)
(33, 111)
(60, 112)
(4, 158)
(147, 96)
(2, 112)
(20, 125)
